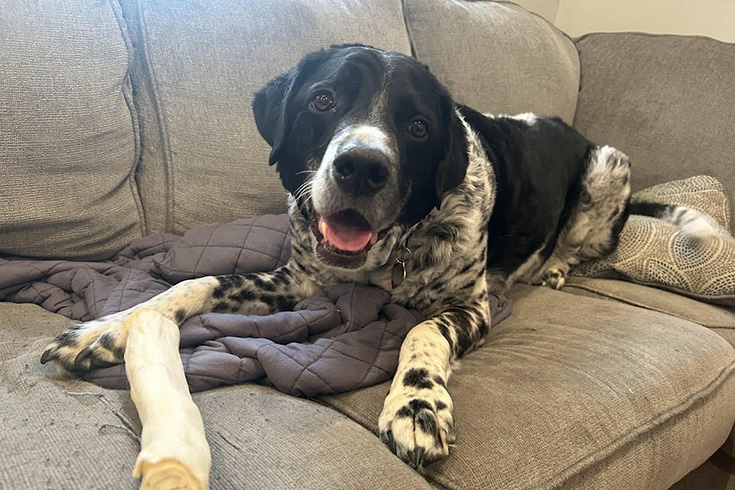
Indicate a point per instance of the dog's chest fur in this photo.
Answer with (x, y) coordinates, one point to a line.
(448, 247)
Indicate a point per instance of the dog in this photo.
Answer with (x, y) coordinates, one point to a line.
(392, 183)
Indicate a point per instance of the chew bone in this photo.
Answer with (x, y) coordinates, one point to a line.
(174, 452)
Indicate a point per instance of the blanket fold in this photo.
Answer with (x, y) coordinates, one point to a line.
(346, 337)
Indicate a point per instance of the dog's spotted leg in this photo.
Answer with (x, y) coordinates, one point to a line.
(416, 422)
(101, 342)
(595, 221)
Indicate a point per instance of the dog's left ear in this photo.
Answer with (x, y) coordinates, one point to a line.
(453, 168)
(271, 104)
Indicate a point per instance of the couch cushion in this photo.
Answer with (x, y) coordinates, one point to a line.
(205, 160)
(573, 392)
(68, 148)
(495, 56)
(719, 318)
(666, 101)
(71, 434)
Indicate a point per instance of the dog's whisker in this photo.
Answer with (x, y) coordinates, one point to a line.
(304, 191)
(307, 171)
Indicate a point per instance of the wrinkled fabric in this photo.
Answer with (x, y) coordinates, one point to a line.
(346, 337)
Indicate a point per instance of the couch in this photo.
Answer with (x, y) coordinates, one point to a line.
(123, 118)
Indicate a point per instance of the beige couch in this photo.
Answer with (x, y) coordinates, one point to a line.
(124, 118)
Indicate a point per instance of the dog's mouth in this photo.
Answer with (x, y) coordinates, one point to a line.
(344, 238)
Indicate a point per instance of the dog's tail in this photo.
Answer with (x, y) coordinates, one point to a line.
(691, 221)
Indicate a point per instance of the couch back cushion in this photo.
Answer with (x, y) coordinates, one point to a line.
(666, 101)
(496, 57)
(205, 160)
(68, 147)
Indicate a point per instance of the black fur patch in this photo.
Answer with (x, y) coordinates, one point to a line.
(263, 285)
(179, 315)
(242, 296)
(223, 307)
(404, 412)
(67, 338)
(418, 378)
(107, 340)
(227, 283)
(417, 405)
(426, 422)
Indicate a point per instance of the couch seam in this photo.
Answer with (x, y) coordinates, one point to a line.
(166, 155)
(409, 34)
(127, 92)
(599, 456)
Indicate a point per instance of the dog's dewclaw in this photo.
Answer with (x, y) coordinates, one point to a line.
(174, 452)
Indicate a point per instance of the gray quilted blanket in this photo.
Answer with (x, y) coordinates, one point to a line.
(345, 338)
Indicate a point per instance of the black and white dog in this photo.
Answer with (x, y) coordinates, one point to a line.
(393, 184)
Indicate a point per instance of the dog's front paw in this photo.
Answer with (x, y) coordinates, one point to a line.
(80, 348)
(555, 278)
(417, 425)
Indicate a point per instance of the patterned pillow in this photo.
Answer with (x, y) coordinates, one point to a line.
(656, 253)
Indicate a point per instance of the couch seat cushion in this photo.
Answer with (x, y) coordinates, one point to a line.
(718, 318)
(577, 392)
(72, 434)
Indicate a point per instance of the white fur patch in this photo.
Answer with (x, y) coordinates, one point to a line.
(692, 222)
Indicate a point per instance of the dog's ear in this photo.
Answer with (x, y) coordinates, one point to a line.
(453, 167)
(272, 103)
(269, 106)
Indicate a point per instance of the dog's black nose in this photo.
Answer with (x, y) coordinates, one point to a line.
(361, 172)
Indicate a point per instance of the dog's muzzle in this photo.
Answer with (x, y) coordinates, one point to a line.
(354, 195)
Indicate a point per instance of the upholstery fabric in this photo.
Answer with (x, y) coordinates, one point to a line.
(654, 252)
(572, 392)
(72, 434)
(201, 63)
(666, 101)
(68, 145)
(711, 316)
(496, 57)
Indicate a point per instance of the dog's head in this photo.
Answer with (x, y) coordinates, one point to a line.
(364, 140)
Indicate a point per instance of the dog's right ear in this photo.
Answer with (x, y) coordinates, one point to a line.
(269, 106)
(272, 103)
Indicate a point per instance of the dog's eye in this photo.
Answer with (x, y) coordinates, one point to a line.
(418, 129)
(322, 101)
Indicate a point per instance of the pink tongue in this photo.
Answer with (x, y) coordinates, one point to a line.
(344, 235)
